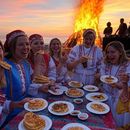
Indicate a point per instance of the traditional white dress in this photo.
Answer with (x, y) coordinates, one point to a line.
(81, 74)
(62, 75)
(114, 93)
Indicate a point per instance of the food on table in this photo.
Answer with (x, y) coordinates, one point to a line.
(98, 97)
(74, 92)
(78, 100)
(32, 121)
(75, 112)
(98, 107)
(75, 84)
(36, 104)
(41, 79)
(5, 65)
(75, 128)
(60, 107)
(109, 79)
(83, 116)
(90, 88)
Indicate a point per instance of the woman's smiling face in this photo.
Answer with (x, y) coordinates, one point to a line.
(22, 48)
(113, 55)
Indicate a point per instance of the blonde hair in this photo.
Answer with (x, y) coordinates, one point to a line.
(119, 47)
(51, 51)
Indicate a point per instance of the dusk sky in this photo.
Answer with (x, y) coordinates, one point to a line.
(54, 18)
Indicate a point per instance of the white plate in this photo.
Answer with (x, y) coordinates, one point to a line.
(57, 92)
(35, 110)
(70, 106)
(90, 88)
(75, 96)
(63, 88)
(67, 126)
(89, 97)
(102, 78)
(89, 108)
(71, 84)
(47, 120)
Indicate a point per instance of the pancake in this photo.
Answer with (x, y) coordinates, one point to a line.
(32, 121)
(36, 104)
(60, 107)
(5, 65)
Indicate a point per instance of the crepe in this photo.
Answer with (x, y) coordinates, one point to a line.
(36, 104)
(98, 107)
(109, 79)
(98, 97)
(75, 84)
(74, 92)
(32, 121)
(75, 128)
(41, 79)
(5, 65)
(60, 107)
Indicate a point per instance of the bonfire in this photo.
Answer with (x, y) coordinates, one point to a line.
(87, 16)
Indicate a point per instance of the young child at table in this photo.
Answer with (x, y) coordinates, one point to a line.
(84, 60)
(117, 64)
(59, 60)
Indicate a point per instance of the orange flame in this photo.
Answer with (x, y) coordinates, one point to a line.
(88, 14)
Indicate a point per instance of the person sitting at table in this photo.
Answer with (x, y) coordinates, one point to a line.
(42, 63)
(60, 61)
(117, 64)
(108, 30)
(84, 60)
(18, 77)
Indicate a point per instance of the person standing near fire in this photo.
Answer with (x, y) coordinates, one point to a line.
(84, 60)
(108, 30)
(122, 29)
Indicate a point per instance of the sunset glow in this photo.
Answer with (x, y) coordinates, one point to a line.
(58, 18)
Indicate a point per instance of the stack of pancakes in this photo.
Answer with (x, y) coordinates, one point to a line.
(41, 79)
(32, 121)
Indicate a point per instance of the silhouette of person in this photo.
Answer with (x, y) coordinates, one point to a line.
(122, 29)
(128, 30)
(108, 30)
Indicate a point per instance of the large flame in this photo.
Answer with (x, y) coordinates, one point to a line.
(87, 16)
